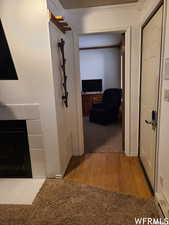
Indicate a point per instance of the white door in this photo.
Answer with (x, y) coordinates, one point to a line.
(151, 57)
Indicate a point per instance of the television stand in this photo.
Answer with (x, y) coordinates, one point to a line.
(88, 99)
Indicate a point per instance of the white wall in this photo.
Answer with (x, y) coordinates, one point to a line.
(66, 117)
(26, 27)
(94, 40)
(104, 19)
(101, 64)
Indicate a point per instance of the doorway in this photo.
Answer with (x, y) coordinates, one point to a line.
(150, 77)
(102, 68)
(113, 171)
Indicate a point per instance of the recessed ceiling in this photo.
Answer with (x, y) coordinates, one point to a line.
(73, 4)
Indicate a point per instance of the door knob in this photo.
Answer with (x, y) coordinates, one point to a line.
(148, 122)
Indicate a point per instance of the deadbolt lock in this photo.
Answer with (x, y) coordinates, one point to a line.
(153, 122)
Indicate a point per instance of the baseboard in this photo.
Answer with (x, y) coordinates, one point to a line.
(163, 204)
(132, 154)
(59, 176)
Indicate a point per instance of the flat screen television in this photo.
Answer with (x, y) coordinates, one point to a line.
(7, 68)
(92, 85)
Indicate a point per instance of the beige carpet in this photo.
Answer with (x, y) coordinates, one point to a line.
(99, 138)
(60, 203)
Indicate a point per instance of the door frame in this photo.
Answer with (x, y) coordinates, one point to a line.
(146, 21)
(127, 140)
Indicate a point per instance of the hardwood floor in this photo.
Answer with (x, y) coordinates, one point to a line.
(111, 171)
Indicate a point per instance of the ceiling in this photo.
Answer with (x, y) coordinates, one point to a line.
(72, 4)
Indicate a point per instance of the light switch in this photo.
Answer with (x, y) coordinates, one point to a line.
(166, 95)
(166, 76)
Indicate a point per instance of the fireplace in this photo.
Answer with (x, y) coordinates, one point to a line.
(14, 150)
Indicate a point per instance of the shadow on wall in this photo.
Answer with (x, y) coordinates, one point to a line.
(112, 68)
(6, 113)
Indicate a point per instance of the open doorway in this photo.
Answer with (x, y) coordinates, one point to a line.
(102, 66)
(106, 163)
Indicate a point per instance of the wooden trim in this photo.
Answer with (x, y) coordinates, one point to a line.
(152, 13)
(60, 19)
(67, 29)
(100, 47)
(127, 30)
(60, 24)
(123, 49)
(64, 24)
(57, 24)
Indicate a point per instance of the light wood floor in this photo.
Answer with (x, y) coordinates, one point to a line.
(111, 171)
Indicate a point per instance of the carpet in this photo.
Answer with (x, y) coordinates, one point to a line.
(62, 203)
(99, 138)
